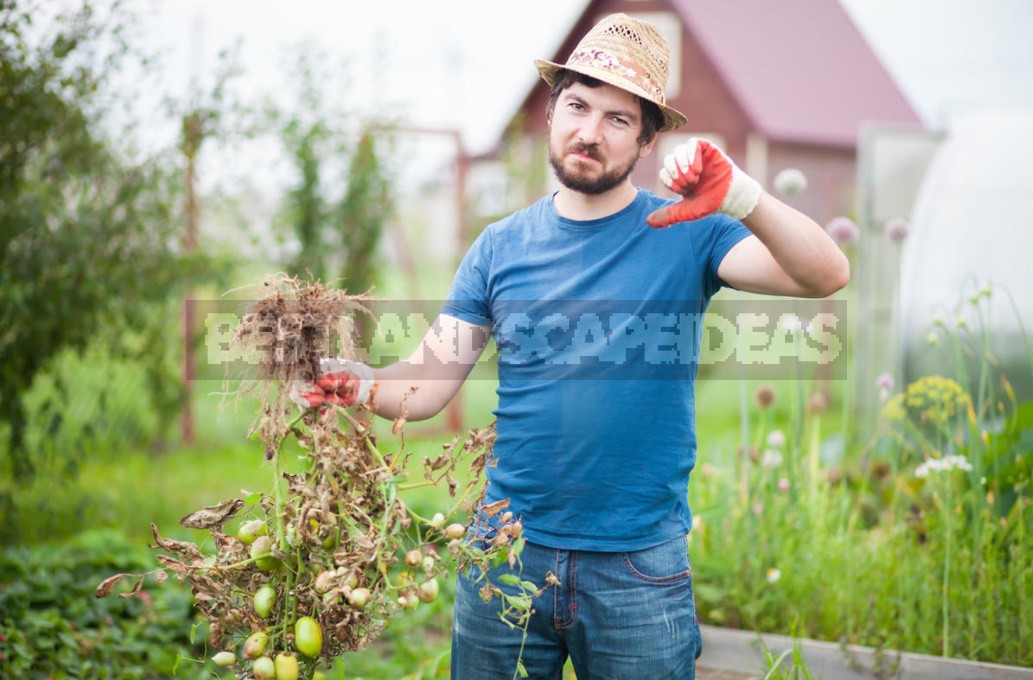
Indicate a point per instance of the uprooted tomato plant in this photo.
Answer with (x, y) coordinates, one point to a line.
(318, 566)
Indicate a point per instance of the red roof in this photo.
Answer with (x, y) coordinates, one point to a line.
(800, 69)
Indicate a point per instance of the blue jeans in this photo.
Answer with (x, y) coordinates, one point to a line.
(618, 616)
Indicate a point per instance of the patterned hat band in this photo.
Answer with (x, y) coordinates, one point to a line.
(627, 53)
(607, 61)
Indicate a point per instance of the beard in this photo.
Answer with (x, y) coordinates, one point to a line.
(582, 183)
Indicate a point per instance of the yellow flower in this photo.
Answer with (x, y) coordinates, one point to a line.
(936, 399)
(932, 400)
(895, 409)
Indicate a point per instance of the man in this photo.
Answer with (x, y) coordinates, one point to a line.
(596, 437)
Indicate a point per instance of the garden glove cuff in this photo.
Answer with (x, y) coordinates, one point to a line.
(341, 382)
(709, 182)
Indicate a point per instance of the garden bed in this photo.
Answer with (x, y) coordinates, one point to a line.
(730, 653)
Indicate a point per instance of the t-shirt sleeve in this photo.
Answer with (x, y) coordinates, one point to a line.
(725, 233)
(468, 295)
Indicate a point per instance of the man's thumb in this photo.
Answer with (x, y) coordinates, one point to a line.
(682, 211)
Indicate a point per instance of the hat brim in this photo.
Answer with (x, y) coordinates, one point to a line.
(550, 73)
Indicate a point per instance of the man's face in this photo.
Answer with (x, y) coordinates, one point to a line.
(593, 137)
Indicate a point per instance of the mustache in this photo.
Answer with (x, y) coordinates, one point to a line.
(590, 150)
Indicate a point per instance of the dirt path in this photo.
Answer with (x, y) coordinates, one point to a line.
(704, 673)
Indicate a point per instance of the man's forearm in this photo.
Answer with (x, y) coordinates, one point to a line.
(800, 246)
(404, 388)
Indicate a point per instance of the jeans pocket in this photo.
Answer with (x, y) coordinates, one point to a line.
(662, 564)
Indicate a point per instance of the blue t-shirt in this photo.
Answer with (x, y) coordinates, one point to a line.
(598, 328)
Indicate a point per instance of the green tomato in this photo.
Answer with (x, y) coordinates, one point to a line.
(265, 600)
(453, 531)
(308, 636)
(264, 669)
(262, 553)
(429, 590)
(255, 645)
(286, 666)
(224, 659)
(359, 598)
(250, 530)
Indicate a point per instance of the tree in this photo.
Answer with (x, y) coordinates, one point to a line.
(335, 223)
(361, 215)
(86, 236)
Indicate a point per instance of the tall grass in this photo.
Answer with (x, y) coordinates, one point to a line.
(917, 540)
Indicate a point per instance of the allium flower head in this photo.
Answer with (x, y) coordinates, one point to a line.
(783, 484)
(884, 383)
(776, 439)
(790, 182)
(843, 230)
(896, 229)
(771, 458)
(765, 396)
(818, 403)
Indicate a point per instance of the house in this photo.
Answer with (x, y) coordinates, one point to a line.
(775, 84)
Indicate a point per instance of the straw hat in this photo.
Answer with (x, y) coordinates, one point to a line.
(624, 52)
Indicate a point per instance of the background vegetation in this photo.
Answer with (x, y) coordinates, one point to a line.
(913, 537)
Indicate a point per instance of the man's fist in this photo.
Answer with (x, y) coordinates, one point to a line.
(342, 383)
(709, 181)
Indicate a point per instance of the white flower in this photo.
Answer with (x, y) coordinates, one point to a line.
(776, 439)
(945, 464)
(771, 458)
(793, 324)
(773, 575)
(790, 182)
(783, 484)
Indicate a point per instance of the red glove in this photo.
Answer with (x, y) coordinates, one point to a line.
(343, 383)
(709, 181)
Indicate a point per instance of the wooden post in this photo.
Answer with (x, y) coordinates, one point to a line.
(191, 143)
(454, 415)
(454, 411)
